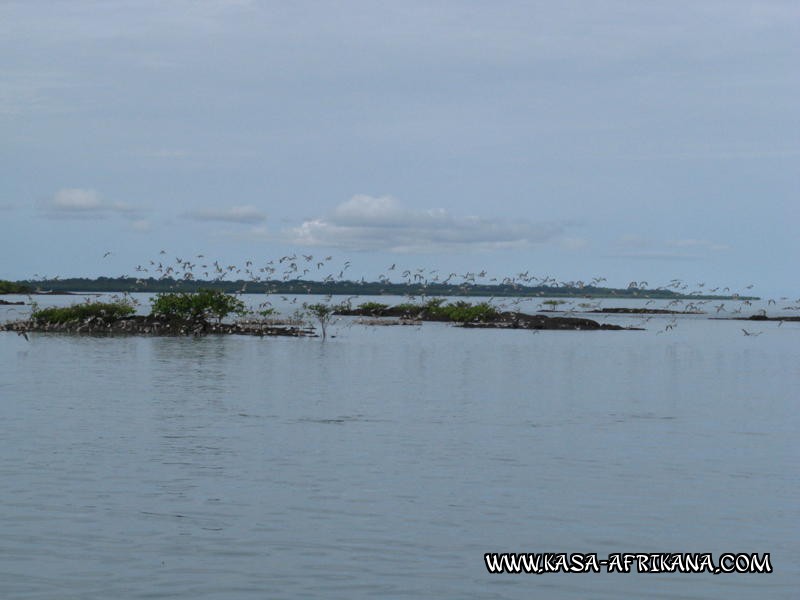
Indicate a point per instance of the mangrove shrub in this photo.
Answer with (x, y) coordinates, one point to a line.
(107, 311)
(194, 306)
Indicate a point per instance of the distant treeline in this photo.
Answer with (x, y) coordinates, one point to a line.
(346, 288)
(11, 287)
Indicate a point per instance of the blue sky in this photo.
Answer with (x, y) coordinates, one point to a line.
(629, 140)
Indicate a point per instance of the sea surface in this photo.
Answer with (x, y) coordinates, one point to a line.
(386, 461)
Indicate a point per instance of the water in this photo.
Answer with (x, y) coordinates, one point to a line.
(386, 461)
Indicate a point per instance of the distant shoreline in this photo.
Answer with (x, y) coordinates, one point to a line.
(350, 288)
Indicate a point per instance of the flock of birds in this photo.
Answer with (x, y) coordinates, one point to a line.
(303, 269)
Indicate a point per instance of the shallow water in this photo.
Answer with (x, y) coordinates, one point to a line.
(386, 461)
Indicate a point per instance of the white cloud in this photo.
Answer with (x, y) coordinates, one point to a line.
(382, 223)
(83, 204)
(235, 214)
(76, 200)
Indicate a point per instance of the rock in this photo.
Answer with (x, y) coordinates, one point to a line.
(646, 311)
(150, 325)
(508, 320)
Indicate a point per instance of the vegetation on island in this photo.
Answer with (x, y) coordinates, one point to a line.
(103, 311)
(433, 309)
(553, 304)
(373, 308)
(460, 311)
(11, 287)
(465, 314)
(198, 313)
(191, 307)
(195, 306)
(323, 313)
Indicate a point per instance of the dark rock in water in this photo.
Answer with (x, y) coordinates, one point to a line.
(9, 303)
(60, 293)
(161, 326)
(399, 312)
(646, 311)
(381, 322)
(499, 320)
(766, 318)
(756, 318)
(508, 320)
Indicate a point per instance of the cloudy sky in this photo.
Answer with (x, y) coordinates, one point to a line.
(630, 140)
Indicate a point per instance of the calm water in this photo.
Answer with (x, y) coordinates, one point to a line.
(387, 460)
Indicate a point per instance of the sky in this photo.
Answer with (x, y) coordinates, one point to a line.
(577, 139)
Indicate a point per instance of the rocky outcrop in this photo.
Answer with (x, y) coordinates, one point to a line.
(507, 320)
(497, 320)
(763, 318)
(158, 326)
(646, 311)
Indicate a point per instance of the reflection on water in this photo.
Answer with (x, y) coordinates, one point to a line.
(386, 463)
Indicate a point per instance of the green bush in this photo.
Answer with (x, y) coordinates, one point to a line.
(464, 312)
(409, 309)
(108, 311)
(9, 287)
(194, 306)
(323, 313)
(373, 306)
(459, 312)
(433, 308)
(434, 303)
(553, 304)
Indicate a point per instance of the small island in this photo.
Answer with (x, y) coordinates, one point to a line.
(172, 314)
(480, 315)
(760, 318)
